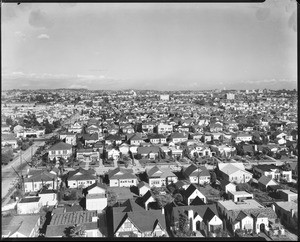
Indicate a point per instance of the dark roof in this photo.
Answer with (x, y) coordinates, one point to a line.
(193, 170)
(136, 214)
(93, 136)
(125, 174)
(264, 180)
(188, 192)
(147, 150)
(146, 196)
(47, 191)
(209, 214)
(96, 184)
(113, 137)
(85, 174)
(40, 175)
(197, 201)
(61, 146)
(266, 167)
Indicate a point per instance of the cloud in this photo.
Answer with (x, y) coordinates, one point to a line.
(39, 19)
(43, 36)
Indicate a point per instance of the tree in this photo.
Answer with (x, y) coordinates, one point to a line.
(9, 121)
(184, 228)
(178, 198)
(7, 156)
(213, 178)
(76, 230)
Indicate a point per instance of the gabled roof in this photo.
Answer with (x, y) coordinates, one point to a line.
(143, 184)
(189, 191)
(93, 136)
(85, 174)
(197, 201)
(96, 184)
(40, 175)
(266, 167)
(144, 220)
(241, 216)
(146, 196)
(124, 174)
(209, 214)
(147, 150)
(193, 170)
(264, 180)
(61, 146)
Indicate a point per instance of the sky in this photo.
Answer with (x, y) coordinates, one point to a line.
(158, 46)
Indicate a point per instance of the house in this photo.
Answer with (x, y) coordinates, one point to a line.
(243, 137)
(196, 174)
(176, 152)
(262, 216)
(164, 128)
(227, 186)
(239, 196)
(264, 182)
(129, 221)
(120, 177)
(21, 226)
(178, 137)
(223, 150)
(68, 138)
(81, 178)
(75, 128)
(90, 139)
(61, 221)
(273, 171)
(157, 139)
(234, 172)
(113, 139)
(48, 197)
(182, 184)
(150, 152)
(215, 127)
(288, 195)
(147, 199)
(9, 140)
(37, 179)
(31, 132)
(206, 138)
(5, 128)
(148, 127)
(135, 139)
(199, 217)
(191, 193)
(243, 221)
(199, 151)
(87, 155)
(287, 212)
(95, 196)
(143, 188)
(159, 177)
(59, 150)
(29, 205)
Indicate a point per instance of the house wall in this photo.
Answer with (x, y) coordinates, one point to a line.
(35, 186)
(13, 143)
(76, 183)
(259, 221)
(93, 233)
(230, 188)
(216, 222)
(127, 182)
(240, 177)
(237, 198)
(28, 208)
(143, 190)
(157, 182)
(194, 195)
(113, 182)
(202, 179)
(49, 199)
(59, 153)
(96, 204)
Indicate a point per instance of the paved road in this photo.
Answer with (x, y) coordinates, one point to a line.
(9, 177)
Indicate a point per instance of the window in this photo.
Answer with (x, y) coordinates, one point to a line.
(127, 225)
(64, 152)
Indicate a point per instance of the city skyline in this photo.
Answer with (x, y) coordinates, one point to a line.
(159, 46)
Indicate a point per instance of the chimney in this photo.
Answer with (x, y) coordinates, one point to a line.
(190, 214)
(273, 207)
(162, 210)
(292, 212)
(94, 219)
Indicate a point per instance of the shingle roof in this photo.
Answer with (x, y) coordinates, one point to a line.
(125, 174)
(85, 174)
(264, 180)
(147, 150)
(96, 184)
(193, 170)
(40, 175)
(137, 215)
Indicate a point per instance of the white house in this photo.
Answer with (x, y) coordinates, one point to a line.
(159, 177)
(191, 193)
(234, 172)
(60, 149)
(120, 177)
(48, 197)
(29, 205)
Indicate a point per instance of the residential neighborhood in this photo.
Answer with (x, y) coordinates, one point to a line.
(150, 164)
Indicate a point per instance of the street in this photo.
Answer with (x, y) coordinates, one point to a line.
(9, 176)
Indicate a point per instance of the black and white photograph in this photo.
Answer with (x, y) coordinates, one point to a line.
(165, 120)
